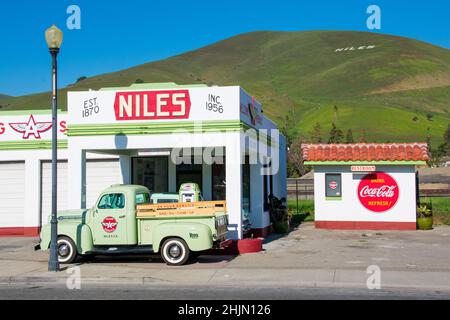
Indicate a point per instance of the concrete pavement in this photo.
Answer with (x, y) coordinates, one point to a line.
(306, 258)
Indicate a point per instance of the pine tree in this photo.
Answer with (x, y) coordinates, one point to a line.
(336, 135)
(349, 137)
(316, 136)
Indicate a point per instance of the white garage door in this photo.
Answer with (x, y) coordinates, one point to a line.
(100, 174)
(46, 189)
(12, 194)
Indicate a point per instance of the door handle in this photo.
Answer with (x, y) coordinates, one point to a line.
(121, 217)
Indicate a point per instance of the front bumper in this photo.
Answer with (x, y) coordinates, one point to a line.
(222, 244)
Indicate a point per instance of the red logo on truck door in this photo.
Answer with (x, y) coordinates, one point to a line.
(152, 105)
(378, 192)
(109, 224)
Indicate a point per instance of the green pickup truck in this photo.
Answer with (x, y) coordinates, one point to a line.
(123, 221)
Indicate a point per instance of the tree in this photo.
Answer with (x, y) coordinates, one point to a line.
(139, 81)
(296, 168)
(363, 136)
(289, 125)
(336, 135)
(429, 116)
(316, 136)
(81, 79)
(349, 136)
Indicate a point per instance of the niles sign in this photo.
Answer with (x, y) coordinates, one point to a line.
(378, 192)
(152, 105)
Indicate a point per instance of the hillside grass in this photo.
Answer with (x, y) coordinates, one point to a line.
(301, 71)
(441, 209)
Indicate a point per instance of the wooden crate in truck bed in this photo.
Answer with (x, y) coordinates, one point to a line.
(181, 208)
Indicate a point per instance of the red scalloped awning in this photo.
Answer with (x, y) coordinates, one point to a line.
(416, 151)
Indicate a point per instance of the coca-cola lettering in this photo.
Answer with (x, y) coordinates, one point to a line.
(152, 105)
(378, 192)
(383, 192)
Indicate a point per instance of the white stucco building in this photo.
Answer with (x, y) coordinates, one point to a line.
(157, 135)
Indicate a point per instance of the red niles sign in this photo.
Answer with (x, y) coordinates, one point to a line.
(152, 105)
(378, 192)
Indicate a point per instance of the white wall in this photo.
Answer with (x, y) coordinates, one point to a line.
(349, 207)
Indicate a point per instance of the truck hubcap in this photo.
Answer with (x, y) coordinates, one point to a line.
(174, 251)
(63, 250)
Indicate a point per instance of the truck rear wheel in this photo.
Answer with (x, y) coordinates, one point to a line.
(67, 250)
(175, 252)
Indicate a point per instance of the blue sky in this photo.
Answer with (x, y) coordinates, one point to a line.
(118, 34)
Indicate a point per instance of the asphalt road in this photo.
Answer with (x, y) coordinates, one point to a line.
(13, 292)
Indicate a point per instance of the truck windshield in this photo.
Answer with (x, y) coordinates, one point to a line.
(142, 198)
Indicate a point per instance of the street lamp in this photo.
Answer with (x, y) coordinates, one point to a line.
(54, 36)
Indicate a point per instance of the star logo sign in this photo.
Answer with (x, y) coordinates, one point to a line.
(30, 128)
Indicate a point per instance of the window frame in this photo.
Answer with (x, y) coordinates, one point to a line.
(108, 194)
(339, 180)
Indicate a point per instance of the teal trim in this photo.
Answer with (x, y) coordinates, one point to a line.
(31, 144)
(333, 198)
(344, 163)
(141, 128)
(152, 128)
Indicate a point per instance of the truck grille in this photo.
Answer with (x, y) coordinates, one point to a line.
(222, 225)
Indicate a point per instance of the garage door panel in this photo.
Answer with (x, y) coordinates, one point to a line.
(12, 204)
(46, 189)
(100, 174)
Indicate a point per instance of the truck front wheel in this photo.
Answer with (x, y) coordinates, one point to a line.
(175, 252)
(67, 251)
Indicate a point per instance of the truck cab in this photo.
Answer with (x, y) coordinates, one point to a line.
(123, 220)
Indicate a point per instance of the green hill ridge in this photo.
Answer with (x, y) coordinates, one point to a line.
(387, 88)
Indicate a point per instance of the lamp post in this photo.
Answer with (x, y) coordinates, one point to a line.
(54, 36)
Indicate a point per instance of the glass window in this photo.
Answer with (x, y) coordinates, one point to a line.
(151, 172)
(218, 182)
(333, 185)
(189, 172)
(112, 201)
(142, 198)
(167, 200)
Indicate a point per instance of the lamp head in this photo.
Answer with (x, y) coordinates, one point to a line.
(54, 38)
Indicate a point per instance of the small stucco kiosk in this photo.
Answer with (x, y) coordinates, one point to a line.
(366, 186)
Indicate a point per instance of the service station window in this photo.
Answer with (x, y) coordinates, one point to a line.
(333, 189)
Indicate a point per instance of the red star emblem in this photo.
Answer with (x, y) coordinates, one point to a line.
(30, 128)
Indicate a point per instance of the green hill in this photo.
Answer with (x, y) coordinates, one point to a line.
(4, 96)
(391, 92)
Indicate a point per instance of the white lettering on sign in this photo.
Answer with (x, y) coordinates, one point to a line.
(363, 168)
(139, 105)
(355, 48)
(384, 191)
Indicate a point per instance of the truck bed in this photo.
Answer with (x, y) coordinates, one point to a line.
(181, 209)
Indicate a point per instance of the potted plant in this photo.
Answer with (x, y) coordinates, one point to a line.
(279, 214)
(425, 216)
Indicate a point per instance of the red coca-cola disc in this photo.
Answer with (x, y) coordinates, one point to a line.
(378, 192)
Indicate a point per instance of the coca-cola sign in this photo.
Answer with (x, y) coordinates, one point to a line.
(378, 192)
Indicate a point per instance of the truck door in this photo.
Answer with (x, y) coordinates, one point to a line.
(110, 220)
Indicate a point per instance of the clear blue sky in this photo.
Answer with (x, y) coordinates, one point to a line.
(120, 34)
